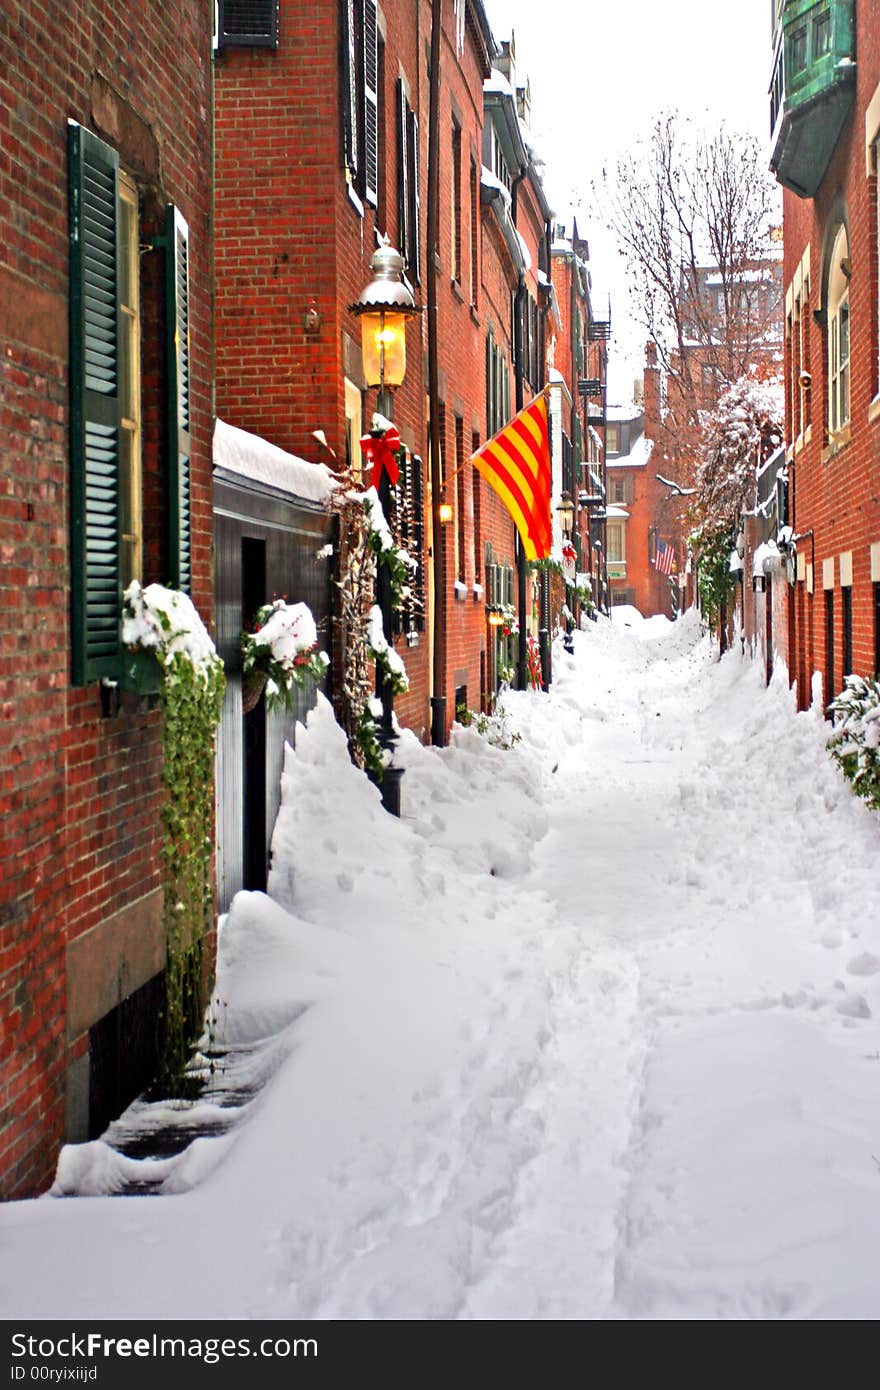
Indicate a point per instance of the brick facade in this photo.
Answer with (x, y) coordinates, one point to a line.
(834, 475)
(81, 793)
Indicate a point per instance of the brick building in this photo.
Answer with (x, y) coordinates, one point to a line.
(322, 149)
(579, 356)
(826, 150)
(105, 432)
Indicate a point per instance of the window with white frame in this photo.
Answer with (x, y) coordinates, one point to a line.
(616, 542)
(838, 333)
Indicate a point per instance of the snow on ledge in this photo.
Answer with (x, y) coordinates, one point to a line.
(262, 462)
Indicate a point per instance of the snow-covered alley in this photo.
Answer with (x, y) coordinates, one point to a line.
(591, 1033)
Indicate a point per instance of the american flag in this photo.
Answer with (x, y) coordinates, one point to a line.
(664, 556)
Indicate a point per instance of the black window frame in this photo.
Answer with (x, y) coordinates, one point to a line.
(234, 32)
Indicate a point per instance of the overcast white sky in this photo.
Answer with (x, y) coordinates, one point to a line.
(599, 73)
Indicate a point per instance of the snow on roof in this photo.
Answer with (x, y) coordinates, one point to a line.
(636, 458)
(262, 462)
(555, 375)
(497, 82)
(765, 558)
(527, 255)
(490, 180)
(626, 410)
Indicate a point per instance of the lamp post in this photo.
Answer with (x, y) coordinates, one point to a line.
(565, 511)
(383, 308)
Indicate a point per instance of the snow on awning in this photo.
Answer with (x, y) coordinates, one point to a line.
(614, 513)
(255, 458)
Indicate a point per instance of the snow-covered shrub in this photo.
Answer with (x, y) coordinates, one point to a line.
(280, 655)
(855, 743)
(494, 728)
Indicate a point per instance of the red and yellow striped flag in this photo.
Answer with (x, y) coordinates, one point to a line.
(516, 463)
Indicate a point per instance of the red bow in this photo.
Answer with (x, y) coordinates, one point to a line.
(381, 451)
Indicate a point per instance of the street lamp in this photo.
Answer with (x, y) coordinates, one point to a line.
(566, 513)
(383, 308)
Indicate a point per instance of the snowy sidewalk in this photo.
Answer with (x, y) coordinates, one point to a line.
(591, 1033)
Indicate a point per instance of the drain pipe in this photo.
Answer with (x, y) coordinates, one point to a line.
(438, 537)
(522, 571)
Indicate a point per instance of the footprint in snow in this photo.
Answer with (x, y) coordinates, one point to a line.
(865, 964)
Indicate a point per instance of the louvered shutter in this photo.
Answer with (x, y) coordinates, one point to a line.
(418, 514)
(403, 201)
(247, 23)
(415, 201)
(371, 102)
(94, 407)
(349, 66)
(178, 399)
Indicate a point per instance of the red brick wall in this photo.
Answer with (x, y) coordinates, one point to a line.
(80, 795)
(289, 239)
(837, 496)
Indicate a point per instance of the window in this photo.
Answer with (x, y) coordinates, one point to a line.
(838, 334)
(408, 196)
(619, 490)
(821, 34)
(829, 646)
(353, 425)
(361, 96)
(455, 203)
(797, 50)
(461, 518)
(478, 512)
(877, 630)
(247, 23)
(616, 541)
(846, 596)
(612, 439)
(106, 351)
(497, 387)
(475, 222)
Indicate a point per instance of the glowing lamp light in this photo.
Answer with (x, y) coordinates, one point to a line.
(445, 512)
(495, 618)
(566, 513)
(383, 309)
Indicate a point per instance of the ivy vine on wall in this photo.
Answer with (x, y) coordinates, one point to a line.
(164, 622)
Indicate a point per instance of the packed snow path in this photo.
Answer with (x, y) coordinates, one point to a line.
(591, 1033)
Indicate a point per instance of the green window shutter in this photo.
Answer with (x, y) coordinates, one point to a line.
(415, 204)
(371, 102)
(178, 397)
(349, 66)
(403, 199)
(94, 407)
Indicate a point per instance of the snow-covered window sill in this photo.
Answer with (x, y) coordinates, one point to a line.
(461, 591)
(478, 593)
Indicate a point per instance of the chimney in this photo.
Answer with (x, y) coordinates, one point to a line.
(651, 391)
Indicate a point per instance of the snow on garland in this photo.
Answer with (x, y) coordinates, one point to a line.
(280, 655)
(165, 622)
(365, 542)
